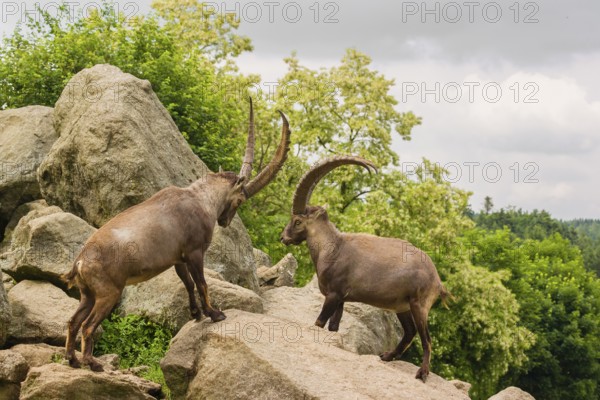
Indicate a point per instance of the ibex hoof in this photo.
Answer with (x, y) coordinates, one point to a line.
(95, 366)
(74, 363)
(387, 356)
(217, 316)
(422, 374)
(197, 315)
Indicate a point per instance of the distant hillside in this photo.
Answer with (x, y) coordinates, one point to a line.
(539, 224)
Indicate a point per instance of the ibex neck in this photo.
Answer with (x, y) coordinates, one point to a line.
(211, 192)
(323, 241)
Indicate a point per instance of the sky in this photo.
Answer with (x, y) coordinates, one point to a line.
(509, 91)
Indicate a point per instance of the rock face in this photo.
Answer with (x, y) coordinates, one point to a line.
(363, 329)
(117, 147)
(5, 313)
(44, 245)
(512, 393)
(39, 354)
(281, 274)
(13, 367)
(261, 259)
(40, 313)
(288, 360)
(26, 135)
(164, 299)
(55, 381)
(19, 213)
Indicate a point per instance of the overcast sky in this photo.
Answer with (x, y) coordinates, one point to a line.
(509, 91)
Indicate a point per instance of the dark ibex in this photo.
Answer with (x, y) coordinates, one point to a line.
(173, 227)
(384, 272)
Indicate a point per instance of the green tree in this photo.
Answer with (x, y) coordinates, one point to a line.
(39, 59)
(559, 301)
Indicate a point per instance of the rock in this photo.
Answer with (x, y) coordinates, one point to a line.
(26, 135)
(462, 386)
(10, 391)
(363, 329)
(251, 356)
(281, 274)
(13, 367)
(164, 299)
(39, 354)
(117, 147)
(261, 259)
(109, 361)
(5, 313)
(44, 248)
(512, 393)
(40, 313)
(19, 213)
(55, 381)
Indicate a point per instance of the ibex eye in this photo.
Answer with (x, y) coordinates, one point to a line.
(298, 222)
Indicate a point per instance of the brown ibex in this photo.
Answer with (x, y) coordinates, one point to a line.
(173, 227)
(387, 273)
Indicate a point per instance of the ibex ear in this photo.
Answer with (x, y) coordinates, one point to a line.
(320, 213)
(240, 181)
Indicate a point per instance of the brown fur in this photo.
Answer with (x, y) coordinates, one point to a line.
(387, 273)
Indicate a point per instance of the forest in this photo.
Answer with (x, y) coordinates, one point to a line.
(527, 294)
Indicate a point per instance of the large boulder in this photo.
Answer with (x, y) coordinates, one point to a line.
(44, 245)
(164, 299)
(56, 381)
(5, 313)
(364, 329)
(19, 213)
(512, 393)
(117, 147)
(250, 356)
(40, 313)
(26, 135)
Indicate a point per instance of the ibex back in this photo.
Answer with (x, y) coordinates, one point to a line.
(173, 227)
(384, 272)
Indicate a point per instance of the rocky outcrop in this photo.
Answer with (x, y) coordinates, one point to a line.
(40, 313)
(13, 369)
(164, 299)
(44, 245)
(5, 313)
(281, 274)
(261, 259)
(363, 329)
(55, 381)
(26, 135)
(38, 354)
(117, 147)
(512, 393)
(261, 356)
(19, 213)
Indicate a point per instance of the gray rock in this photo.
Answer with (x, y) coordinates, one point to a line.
(44, 247)
(19, 213)
(40, 313)
(26, 135)
(461, 385)
(5, 313)
(38, 354)
(13, 367)
(164, 299)
(363, 329)
(253, 356)
(261, 259)
(281, 274)
(117, 147)
(55, 381)
(512, 393)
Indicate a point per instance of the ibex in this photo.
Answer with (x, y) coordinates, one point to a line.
(173, 227)
(387, 273)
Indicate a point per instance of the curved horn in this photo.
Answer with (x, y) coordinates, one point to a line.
(268, 173)
(317, 172)
(246, 169)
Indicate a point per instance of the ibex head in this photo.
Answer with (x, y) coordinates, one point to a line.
(242, 188)
(305, 216)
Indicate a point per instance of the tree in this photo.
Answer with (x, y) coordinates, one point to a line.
(559, 301)
(488, 204)
(41, 57)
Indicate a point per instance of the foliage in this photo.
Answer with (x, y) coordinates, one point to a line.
(560, 304)
(137, 341)
(40, 58)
